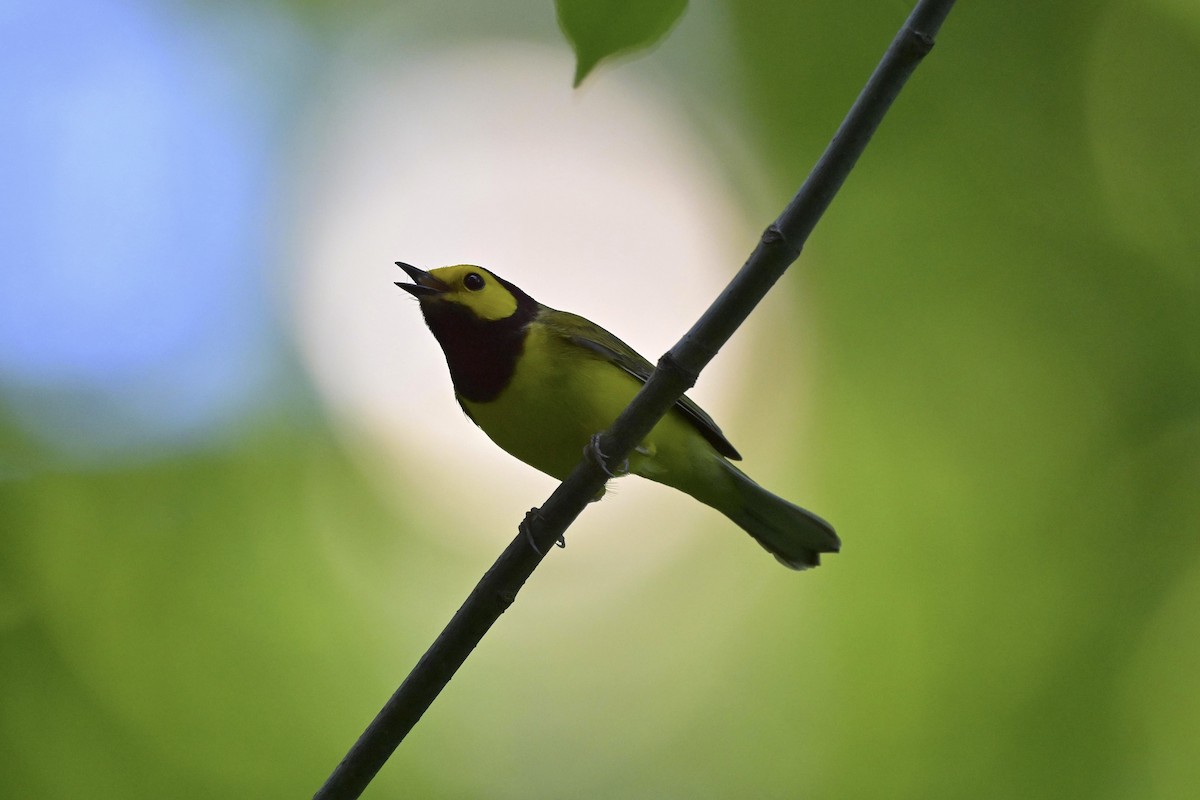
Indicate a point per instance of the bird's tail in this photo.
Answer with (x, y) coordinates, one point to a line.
(794, 536)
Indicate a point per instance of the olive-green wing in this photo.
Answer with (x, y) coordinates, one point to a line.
(591, 336)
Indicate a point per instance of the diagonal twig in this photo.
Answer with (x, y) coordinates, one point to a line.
(677, 371)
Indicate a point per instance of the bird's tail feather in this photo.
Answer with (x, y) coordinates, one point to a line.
(794, 536)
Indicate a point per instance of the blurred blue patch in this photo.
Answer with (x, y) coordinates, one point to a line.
(134, 177)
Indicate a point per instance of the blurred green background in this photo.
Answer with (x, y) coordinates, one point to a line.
(207, 589)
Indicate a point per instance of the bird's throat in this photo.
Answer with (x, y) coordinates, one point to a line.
(482, 354)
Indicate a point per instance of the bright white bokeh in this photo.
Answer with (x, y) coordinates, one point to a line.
(599, 201)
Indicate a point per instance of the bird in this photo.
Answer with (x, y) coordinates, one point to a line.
(543, 383)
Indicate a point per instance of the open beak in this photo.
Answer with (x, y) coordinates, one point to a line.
(423, 285)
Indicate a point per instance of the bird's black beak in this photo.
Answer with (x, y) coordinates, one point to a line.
(423, 285)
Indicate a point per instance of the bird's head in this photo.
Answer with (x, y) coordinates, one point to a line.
(463, 287)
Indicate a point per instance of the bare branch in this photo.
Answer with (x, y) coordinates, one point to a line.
(677, 371)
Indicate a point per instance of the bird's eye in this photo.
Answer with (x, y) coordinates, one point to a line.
(473, 282)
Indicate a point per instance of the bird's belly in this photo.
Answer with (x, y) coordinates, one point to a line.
(551, 409)
(555, 403)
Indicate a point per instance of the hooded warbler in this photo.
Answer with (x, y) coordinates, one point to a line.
(541, 383)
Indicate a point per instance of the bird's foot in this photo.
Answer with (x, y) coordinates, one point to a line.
(592, 450)
(535, 514)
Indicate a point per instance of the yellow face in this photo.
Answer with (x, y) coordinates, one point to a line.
(476, 289)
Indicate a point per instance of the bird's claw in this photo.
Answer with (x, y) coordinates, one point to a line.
(592, 450)
(536, 513)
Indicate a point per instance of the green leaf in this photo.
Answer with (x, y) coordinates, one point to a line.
(599, 29)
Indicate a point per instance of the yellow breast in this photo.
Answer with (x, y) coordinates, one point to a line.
(561, 395)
